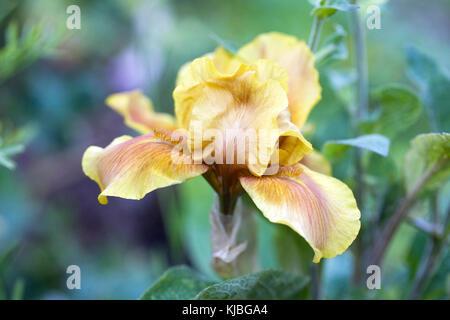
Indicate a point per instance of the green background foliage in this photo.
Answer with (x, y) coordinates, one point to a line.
(53, 82)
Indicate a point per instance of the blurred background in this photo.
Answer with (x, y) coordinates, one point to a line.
(52, 92)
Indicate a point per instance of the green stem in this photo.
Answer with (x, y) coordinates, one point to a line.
(316, 275)
(361, 114)
(314, 36)
(432, 258)
(399, 215)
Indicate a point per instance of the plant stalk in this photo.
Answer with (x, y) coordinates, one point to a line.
(433, 255)
(314, 35)
(361, 114)
(399, 215)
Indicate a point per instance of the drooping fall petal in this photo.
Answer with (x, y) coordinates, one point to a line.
(320, 208)
(138, 112)
(132, 167)
(297, 59)
(247, 102)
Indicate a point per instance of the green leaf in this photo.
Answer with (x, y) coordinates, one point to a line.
(334, 48)
(23, 47)
(372, 142)
(396, 109)
(433, 84)
(293, 252)
(196, 197)
(18, 290)
(343, 83)
(177, 283)
(429, 154)
(231, 48)
(6, 7)
(269, 284)
(12, 150)
(8, 255)
(331, 7)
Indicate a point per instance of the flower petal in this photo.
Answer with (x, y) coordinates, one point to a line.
(138, 112)
(132, 167)
(317, 162)
(247, 102)
(224, 61)
(320, 208)
(296, 58)
(292, 145)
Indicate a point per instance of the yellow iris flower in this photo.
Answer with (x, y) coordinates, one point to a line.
(269, 85)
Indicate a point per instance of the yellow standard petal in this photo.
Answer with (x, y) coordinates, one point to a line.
(138, 112)
(245, 102)
(292, 145)
(320, 208)
(132, 167)
(296, 58)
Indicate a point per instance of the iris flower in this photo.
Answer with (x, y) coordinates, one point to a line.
(269, 86)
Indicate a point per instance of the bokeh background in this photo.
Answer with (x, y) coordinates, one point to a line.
(49, 214)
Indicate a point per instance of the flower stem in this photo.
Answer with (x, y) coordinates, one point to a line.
(316, 275)
(314, 36)
(361, 114)
(433, 255)
(361, 65)
(399, 215)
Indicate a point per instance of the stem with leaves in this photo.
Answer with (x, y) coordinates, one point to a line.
(361, 114)
(314, 36)
(400, 214)
(313, 43)
(433, 254)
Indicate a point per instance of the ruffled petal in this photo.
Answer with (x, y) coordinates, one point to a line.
(246, 102)
(138, 112)
(292, 144)
(132, 167)
(298, 60)
(320, 208)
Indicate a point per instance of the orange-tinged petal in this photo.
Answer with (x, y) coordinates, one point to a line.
(298, 60)
(132, 167)
(246, 101)
(292, 145)
(138, 112)
(320, 208)
(223, 60)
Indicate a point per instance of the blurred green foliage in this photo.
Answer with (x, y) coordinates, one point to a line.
(57, 79)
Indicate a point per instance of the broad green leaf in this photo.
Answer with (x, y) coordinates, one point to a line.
(268, 284)
(196, 198)
(433, 84)
(293, 252)
(429, 155)
(177, 283)
(372, 142)
(334, 47)
(396, 109)
(324, 10)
